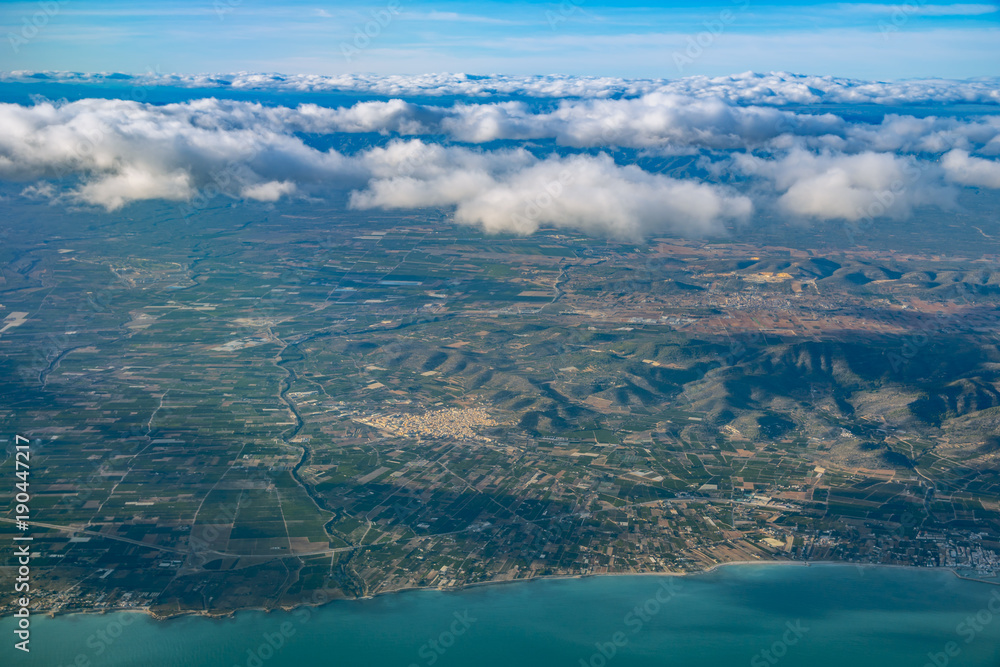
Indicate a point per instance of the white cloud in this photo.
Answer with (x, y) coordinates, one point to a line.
(270, 191)
(657, 120)
(958, 9)
(819, 166)
(131, 183)
(772, 88)
(454, 17)
(931, 134)
(124, 151)
(968, 170)
(581, 192)
(919, 9)
(669, 124)
(828, 186)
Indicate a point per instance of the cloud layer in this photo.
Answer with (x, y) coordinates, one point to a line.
(113, 152)
(510, 193)
(545, 164)
(829, 186)
(773, 88)
(658, 123)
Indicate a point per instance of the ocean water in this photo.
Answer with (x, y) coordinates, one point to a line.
(756, 615)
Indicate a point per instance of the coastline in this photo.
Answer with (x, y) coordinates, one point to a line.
(455, 589)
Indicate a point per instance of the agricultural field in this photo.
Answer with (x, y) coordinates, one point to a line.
(246, 407)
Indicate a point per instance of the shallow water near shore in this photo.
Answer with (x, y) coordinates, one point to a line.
(740, 615)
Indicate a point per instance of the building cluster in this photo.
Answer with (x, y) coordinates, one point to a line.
(458, 423)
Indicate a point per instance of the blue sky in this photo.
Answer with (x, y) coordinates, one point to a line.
(863, 40)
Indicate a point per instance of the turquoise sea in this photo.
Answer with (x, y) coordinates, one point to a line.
(755, 615)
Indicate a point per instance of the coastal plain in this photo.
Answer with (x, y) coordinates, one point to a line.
(263, 407)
